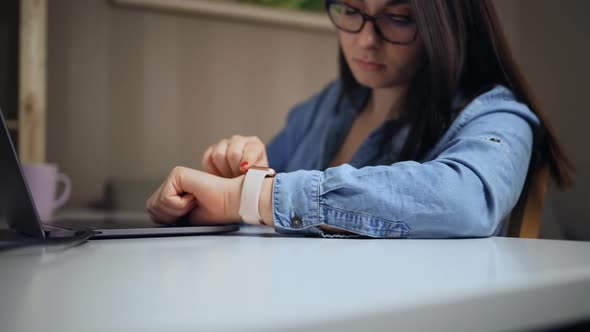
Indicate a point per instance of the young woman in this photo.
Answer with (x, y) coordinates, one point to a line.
(429, 133)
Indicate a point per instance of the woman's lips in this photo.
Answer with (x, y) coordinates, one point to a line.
(369, 66)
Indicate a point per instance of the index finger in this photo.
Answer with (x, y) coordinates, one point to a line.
(253, 152)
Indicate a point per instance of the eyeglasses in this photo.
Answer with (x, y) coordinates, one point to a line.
(396, 29)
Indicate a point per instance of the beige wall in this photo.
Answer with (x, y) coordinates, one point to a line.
(132, 93)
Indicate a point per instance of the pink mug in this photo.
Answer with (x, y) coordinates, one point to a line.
(43, 180)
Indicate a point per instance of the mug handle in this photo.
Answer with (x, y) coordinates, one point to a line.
(65, 195)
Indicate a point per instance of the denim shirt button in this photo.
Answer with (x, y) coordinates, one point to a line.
(296, 221)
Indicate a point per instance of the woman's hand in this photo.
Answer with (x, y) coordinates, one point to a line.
(208, 198)
(232, 157)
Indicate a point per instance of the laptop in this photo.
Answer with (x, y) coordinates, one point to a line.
(18, 211)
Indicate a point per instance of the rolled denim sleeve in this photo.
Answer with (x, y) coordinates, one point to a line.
(469, 184)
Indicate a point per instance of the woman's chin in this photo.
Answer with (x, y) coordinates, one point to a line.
(379, 81)
(374, 82)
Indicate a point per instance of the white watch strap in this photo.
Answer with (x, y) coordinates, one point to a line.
(251, 194)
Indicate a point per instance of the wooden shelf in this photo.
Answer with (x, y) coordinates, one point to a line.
(32, 77)
(227, 9)
(12, 124)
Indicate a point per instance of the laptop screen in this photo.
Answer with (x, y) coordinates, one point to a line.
(16, 205)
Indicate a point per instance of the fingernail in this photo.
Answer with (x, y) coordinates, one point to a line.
(244, 164)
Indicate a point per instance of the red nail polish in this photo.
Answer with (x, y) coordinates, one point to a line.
(244, 164)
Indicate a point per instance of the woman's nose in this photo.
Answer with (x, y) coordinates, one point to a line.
(368, 36)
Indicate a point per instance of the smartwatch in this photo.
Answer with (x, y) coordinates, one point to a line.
(251, 194)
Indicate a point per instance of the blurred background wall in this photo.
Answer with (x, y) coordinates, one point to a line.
(132, 93)
(554, 49)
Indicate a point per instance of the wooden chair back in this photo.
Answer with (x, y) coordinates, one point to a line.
(525, 220)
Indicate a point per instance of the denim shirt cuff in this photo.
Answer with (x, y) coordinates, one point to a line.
(296, 202)
(297, 209)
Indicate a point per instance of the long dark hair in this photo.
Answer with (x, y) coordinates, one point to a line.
(467, 53)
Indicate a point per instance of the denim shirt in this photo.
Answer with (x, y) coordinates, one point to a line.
(466, 186)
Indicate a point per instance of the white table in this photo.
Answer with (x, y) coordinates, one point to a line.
(257, 281)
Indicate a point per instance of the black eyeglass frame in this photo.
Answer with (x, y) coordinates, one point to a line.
(366, 17)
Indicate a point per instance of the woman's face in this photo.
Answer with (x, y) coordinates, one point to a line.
(374, 62)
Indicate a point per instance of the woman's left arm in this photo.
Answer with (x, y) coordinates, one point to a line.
(472, 181)
(465, 191)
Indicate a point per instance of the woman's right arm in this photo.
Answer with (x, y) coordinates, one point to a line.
(299, 121)
(285, 143)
